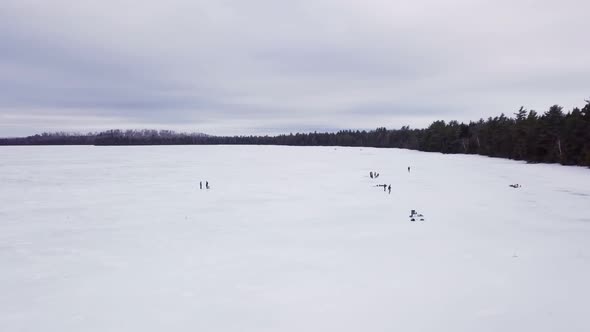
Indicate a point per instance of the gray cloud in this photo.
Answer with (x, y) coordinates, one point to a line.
(260, 66)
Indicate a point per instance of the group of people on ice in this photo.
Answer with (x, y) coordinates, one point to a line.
(206, 185)
(374, 175)
(385, 187)
(414, 215)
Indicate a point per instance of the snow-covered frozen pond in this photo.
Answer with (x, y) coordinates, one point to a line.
(289, 239)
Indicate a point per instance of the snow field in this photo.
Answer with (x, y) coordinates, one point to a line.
(289, 239)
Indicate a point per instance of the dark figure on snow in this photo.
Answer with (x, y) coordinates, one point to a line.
(389, 189)
(201, 185)
(207, 184)
(371, 174)
(384, 187)
(408, 169)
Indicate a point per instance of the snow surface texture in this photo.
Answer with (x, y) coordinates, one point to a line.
(289, 239)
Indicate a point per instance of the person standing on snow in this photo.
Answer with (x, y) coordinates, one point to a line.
(389, 189)
(201, 185)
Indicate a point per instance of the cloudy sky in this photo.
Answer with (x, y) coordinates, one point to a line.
(262, 66)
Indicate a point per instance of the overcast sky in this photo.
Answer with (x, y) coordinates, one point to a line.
(258, 66)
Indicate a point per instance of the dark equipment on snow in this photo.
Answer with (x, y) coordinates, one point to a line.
(414, 214)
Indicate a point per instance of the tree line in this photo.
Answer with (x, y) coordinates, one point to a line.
(554, 136)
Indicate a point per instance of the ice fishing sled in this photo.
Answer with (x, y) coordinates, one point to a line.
(415, 216)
